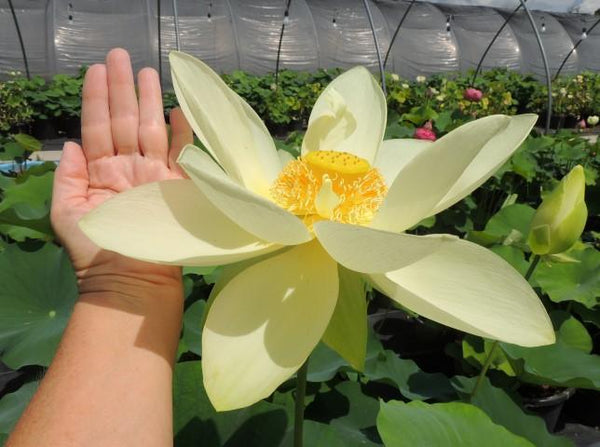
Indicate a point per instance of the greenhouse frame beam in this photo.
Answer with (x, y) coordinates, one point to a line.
(574, 48)
(387, 54)
(377, 49)
(23, 52)
(487, 50)
(286, 14)
(176, 23)
(545, 61)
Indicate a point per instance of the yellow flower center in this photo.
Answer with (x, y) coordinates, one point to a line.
(330, 185)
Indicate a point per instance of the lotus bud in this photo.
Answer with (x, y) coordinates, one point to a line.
(395, 77)
(593, 120)
(560, 219)
(472, 94)
(581, 124)
(422, 133)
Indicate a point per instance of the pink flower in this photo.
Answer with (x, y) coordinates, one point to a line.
(428, 125)
(472, 94)
(581, 125)
(422, 133)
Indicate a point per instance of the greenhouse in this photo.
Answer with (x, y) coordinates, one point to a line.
(59, 36)
(300, 223)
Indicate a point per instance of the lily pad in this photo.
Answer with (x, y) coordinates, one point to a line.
(504, 411)
(194, 418)
(12, 406)
(578, 281)
(38, 292)
(448, 424)
(192, 326)
(411, 381)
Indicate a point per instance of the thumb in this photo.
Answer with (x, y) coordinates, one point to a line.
(71, 179)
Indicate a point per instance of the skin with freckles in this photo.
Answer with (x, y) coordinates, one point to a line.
(110, 381)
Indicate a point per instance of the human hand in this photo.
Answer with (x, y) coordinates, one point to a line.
(124, 144)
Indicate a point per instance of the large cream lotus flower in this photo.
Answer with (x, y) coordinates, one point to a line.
(300, 235)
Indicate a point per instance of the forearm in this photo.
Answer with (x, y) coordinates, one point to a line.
(110, 382)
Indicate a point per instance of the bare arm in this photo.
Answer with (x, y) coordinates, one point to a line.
(110, 381)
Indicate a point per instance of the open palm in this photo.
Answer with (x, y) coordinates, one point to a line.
(124, 144)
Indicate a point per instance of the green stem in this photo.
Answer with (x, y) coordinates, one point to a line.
(483, 372)
(299, 408)
(532, 266)
(490, 356)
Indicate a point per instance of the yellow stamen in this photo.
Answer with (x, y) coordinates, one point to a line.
(332, 185)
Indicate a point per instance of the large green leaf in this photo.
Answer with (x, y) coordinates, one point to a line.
(450, 424)
(565, 363)
(192, 326)
(502, 410)
(509, 226)
(12, 406)
(324, 362)
(408, 377)
(323, 435)
(347, 408)
(196, 422)
(37, 295)
(25, 206)
(558, 364)
(578, 281)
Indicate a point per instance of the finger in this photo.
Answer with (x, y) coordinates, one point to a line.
(181, 134)
(153, 130)
(123, 102)
(71, 180)
(96, 131)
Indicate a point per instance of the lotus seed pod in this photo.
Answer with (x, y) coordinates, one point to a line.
(560, 219)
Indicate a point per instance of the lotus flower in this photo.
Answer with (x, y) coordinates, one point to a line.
(592, 120)
(581, 124)
(299, 235)
(560, 219)
(472, 94)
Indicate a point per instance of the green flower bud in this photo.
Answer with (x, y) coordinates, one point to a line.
(560, 219)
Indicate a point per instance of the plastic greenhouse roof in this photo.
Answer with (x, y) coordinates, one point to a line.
(61, 35)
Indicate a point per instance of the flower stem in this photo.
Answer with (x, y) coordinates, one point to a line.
(532, 266)
(299, 408)
(490, 356)
(483, 372)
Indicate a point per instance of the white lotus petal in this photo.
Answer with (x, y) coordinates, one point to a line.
(265, 322)
(349, 116)
(228, 127)
(170, 222)
(255, 214)
(393, 155)
(493, 155)
(466, 286)
(368, 250)
(426, 179)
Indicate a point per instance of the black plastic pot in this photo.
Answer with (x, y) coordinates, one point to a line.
(44, 129)
(549, 407)
(71, 126)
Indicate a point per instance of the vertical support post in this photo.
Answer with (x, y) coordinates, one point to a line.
(487, 50)
(574, 48)
(23, 52)
(376, 41)
(387, 54)
(286, 15)
(545, 61)
(176, 22)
